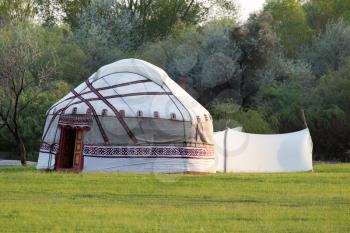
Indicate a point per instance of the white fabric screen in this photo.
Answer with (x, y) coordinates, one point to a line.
(243, 152)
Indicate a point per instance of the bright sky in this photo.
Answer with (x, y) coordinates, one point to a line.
(249, 6)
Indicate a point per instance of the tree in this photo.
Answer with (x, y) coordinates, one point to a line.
(16, 10)
(329, 114)
(203, 59)
(258, 44)
(321, 12)
(158, 17)
(105, 32)
(219, 59)
(32, 118)
(283, 103)
(228, 114)
(22, 75)
(290, 24)
(284, 90)
(56, 11)
(330, 50)
(59, 45)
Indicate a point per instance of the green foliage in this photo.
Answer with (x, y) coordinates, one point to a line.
(329, 113)
(30, 56)
(258, 44)
(290, 24)
(321, 12)
(228, 114)
(335, 88)
(54, 12)
(105, 32)
(160, 17)
(33, 120)
(23, 74)
(331, 49)
(300, 202)
(163, 15)
(16, 11)
(72, 10)
(57, 44)
(254, 122)
(284, 89)
(283, 103)
(219, 59)
(203, 57)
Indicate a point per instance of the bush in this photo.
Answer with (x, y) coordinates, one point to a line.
(229, 114)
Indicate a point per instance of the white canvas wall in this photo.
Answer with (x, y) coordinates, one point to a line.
(144, 165)
(245, 152)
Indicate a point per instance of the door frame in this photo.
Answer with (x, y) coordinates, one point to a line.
(78, 158)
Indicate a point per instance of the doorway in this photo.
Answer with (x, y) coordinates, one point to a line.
(70, 152)
(68, 146)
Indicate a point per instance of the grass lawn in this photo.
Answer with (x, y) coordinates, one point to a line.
(32, 201)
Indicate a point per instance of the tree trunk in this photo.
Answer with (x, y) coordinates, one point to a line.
(22, 150)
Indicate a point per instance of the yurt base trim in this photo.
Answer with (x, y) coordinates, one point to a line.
(163, 159)
(135, 165)
(146, 165)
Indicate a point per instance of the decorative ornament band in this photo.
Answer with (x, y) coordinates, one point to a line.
(49, 148)
(163, 151)
(75, 120)
(152, 151)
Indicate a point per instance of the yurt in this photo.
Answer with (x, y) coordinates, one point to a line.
(237, 151)
(129, 116)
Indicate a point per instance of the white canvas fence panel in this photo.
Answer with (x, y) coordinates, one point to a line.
(237, 151)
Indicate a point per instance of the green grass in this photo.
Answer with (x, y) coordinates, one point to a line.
(32, 201)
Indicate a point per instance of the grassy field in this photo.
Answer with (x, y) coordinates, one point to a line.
(33, 201)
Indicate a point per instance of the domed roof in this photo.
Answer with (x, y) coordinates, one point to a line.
(132, 88)
(136, 66)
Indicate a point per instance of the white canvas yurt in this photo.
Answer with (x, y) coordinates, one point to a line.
(237, 151)
(129, 116)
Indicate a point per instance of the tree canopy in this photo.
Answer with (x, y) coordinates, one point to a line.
(284, 68)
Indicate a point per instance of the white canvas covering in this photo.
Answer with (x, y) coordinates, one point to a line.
(135, 118)
(135, 70)
(237, 151)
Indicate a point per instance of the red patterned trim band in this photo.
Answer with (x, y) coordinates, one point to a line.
(76, 120)
(166, 151)
(148, 152)
(47, 148)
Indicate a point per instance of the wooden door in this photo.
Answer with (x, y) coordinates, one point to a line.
(78, 151)
(71, 150)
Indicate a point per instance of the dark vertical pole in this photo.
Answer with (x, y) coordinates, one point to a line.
(304, 118)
